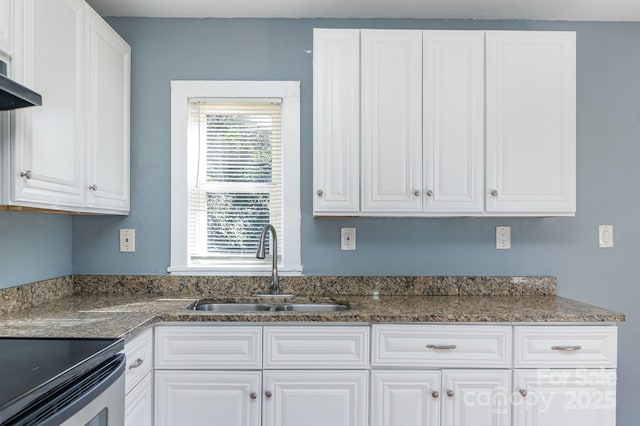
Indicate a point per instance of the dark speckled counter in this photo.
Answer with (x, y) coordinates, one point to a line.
(100, 315)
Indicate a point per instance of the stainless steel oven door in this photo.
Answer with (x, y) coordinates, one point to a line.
(106, 410)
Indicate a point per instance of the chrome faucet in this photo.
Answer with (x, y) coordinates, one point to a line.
(275, 283)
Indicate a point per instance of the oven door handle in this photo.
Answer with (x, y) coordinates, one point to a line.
(74, 396)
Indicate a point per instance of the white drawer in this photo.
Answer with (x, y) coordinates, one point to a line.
(441, 346)
(139, 353)
(565, 346)
(208, 347)
(316, 347)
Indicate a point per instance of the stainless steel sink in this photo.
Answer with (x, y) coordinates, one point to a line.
(311, 307)
(231, 307)
(267, 307)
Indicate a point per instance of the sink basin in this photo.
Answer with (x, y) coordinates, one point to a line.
(311, 307)
(266, 307)
(231, 307)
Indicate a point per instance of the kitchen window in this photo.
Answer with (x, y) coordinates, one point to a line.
(235, 166)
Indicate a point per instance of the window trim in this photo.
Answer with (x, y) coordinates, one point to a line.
(181, 92)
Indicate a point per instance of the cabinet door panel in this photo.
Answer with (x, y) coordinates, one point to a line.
(453, 125)
(531, 122)
(476, 397)
(203, 397)
(391, 120)
(138, 404)
(336, 121)
(108, 71)
(407, 398)
(48, 139)
(315, 398)
(6, 25)
(564, 397)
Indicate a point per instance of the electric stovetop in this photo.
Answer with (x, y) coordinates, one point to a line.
(30, 368)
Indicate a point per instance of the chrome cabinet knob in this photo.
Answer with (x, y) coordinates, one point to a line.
(26, 174)
(494, 193)
(268, 394)
(523, 392)
(416, 193)
(93, 187)
(435, 394)
(429, 193)
(450, 393)
(253, 395)
(319, 192)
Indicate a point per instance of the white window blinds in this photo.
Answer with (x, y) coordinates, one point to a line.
(235, 178)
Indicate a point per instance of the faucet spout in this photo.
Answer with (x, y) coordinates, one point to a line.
(260, 254)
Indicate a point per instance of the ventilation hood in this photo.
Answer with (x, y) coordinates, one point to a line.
(14, 95)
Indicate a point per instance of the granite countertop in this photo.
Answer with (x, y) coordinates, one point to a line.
(113, 315)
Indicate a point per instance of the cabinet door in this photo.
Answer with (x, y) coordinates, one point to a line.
(200, 397)
(407, 398)
(6, 24)
(476, 398)
(315, 398)
(564, 397)
(453, 125)
(336, 121)
(48, 139)
(531, 122)
(138, 403)
(108, 71)
(391, 109)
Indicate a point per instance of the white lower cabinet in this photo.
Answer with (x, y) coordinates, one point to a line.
(585, 397)
(447, 398)
(315, 398)
(405, 398)
(138, 403)
(227, 398)
(476, 398)
(378, 375)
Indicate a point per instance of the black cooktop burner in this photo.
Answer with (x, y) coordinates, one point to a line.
(30, 368)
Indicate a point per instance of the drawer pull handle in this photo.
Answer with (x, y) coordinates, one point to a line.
(268, 394)
(450, 393)
(442, 347)
(253, 395)
(435, 394)
(566, 348)
(135, 364)
(523, 392)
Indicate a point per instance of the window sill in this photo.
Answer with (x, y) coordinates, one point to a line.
(244, 270)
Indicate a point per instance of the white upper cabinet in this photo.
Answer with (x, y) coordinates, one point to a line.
(453, 124)
(6, 13)
(48, 140)
(531, 124)
(336, 121)
(109, 62)
(71, 153)
(391, 108)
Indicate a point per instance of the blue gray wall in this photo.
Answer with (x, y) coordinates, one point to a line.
(33, 247)
(608, 129)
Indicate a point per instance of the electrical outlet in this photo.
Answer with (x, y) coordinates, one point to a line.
(127, 240)
(347, 238)
(503, 237)
(605, 236)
